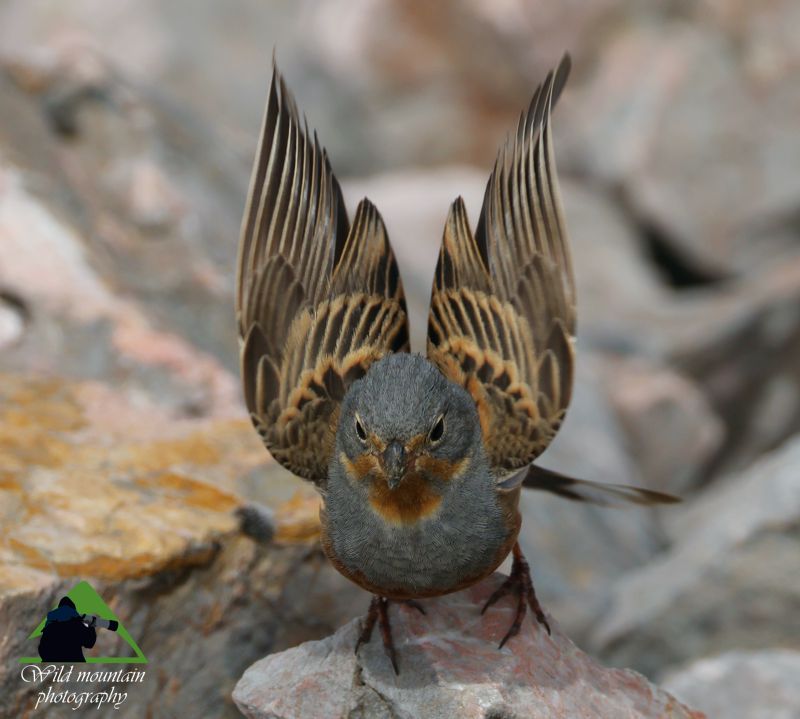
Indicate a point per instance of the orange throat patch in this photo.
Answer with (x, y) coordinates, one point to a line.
(412, 500)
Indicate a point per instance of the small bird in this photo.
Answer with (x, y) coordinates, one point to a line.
(419, 460)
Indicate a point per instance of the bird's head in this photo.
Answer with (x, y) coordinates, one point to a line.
(405, 436)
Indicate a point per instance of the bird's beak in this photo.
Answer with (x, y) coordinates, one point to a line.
(394, 463)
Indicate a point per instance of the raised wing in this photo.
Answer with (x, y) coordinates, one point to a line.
(317, 301)
(502, 317)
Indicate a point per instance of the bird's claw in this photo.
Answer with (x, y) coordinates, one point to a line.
(519, 582)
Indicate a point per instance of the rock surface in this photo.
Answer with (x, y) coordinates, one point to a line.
(733, 568)
(643, 121)
(99, 488)
(741, 685)
(450, 666)
(671, 428)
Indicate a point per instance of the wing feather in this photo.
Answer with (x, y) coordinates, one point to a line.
(502, 317)
(317, 301)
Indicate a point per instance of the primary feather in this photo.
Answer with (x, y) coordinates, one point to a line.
(317, 300)
(502, 317)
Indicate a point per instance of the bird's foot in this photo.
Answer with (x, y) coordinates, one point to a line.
(519, 582)
(379, 612)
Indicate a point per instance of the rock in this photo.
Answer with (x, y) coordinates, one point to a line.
(78, 327)
(619, 289)
(742, 345)
(671, 429)
(395, 86)
(433, 99)
(731, 580)
(741, 685)
(100, 486)
(153, 203)
(13, 317)
(414, 206)
(712, 178)
(140, 204)
(450, 666)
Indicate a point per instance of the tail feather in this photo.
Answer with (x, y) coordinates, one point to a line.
(582, 490)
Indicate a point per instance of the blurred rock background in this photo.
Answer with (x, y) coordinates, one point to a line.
(127, 131)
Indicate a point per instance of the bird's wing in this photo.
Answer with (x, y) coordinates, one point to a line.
(317, 300)
(502, 316)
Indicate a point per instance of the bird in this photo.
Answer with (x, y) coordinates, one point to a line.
(419, 459)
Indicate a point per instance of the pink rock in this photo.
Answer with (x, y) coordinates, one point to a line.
(450, 666)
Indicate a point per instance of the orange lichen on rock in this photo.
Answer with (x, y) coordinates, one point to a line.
(82, 496)
(141, 565)
(94, 485)
(190, 491)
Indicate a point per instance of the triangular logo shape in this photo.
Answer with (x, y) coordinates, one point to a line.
(88, 601)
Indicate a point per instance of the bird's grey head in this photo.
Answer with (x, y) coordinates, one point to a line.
(404, 425)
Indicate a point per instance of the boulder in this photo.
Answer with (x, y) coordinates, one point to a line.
(97, 487)
(135, 205)
(450, 666)
(730, 580)
(741, 344)
(741, 685)
(711, 178)
(671, 429)
(619, 289)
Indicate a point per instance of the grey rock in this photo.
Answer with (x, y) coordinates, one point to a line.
(13, 318)
(731, 579)
(97, 488)
(142, 202)
(698, 139)
(741, 685)
(672, 431)
(414, 206)
(741, 344)
(619, 291)
(450, 666)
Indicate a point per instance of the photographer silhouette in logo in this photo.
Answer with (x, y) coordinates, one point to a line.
(66, 633)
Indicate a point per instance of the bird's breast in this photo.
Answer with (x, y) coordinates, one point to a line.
(417, 544)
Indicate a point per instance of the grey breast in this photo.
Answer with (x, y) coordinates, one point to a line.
(435, 554)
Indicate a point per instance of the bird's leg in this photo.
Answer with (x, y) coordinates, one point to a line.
(378, 611)
(519, 582)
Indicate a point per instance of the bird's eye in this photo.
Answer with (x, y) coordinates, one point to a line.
(437, 430)
(360, 431)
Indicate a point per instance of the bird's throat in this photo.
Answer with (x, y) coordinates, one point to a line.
(411, 501)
